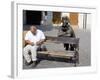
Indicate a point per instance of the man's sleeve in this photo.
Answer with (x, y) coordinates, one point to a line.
(42, 35)
(27, 36)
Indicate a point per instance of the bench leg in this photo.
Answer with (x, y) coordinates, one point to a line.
(76, 59)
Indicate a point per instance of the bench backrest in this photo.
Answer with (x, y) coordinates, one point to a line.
(68, 40)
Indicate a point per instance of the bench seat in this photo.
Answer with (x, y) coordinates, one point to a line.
(62, 54)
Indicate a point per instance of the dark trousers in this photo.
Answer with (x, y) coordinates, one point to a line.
(69, 47)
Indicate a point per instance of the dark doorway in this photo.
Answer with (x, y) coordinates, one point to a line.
(33, 17)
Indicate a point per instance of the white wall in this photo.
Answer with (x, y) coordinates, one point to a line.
(49, 18)
(5, 40)
(82, 18)
(89, 21)
(63, 14)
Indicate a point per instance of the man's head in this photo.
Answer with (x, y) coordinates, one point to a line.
(33, 29)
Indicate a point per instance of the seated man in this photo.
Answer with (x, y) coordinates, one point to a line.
(34, 38)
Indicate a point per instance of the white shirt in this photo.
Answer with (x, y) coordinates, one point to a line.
(34, 38)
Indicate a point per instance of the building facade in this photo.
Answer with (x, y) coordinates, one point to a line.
(77, 20)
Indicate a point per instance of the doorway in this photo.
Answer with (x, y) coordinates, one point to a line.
(33, 17)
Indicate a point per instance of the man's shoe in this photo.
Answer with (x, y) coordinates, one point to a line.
(28, 63)
(34, 64)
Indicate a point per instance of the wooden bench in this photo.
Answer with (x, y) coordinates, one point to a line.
(74, 55)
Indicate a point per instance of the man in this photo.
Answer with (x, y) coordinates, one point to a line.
(34, 38)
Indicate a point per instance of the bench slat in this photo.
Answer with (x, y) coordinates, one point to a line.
(63, 39)
(58, 53)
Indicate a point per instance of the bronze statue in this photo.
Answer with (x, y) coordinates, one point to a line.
(66, 31)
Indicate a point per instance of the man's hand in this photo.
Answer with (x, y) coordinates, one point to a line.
(30, 43)
(40, 42)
